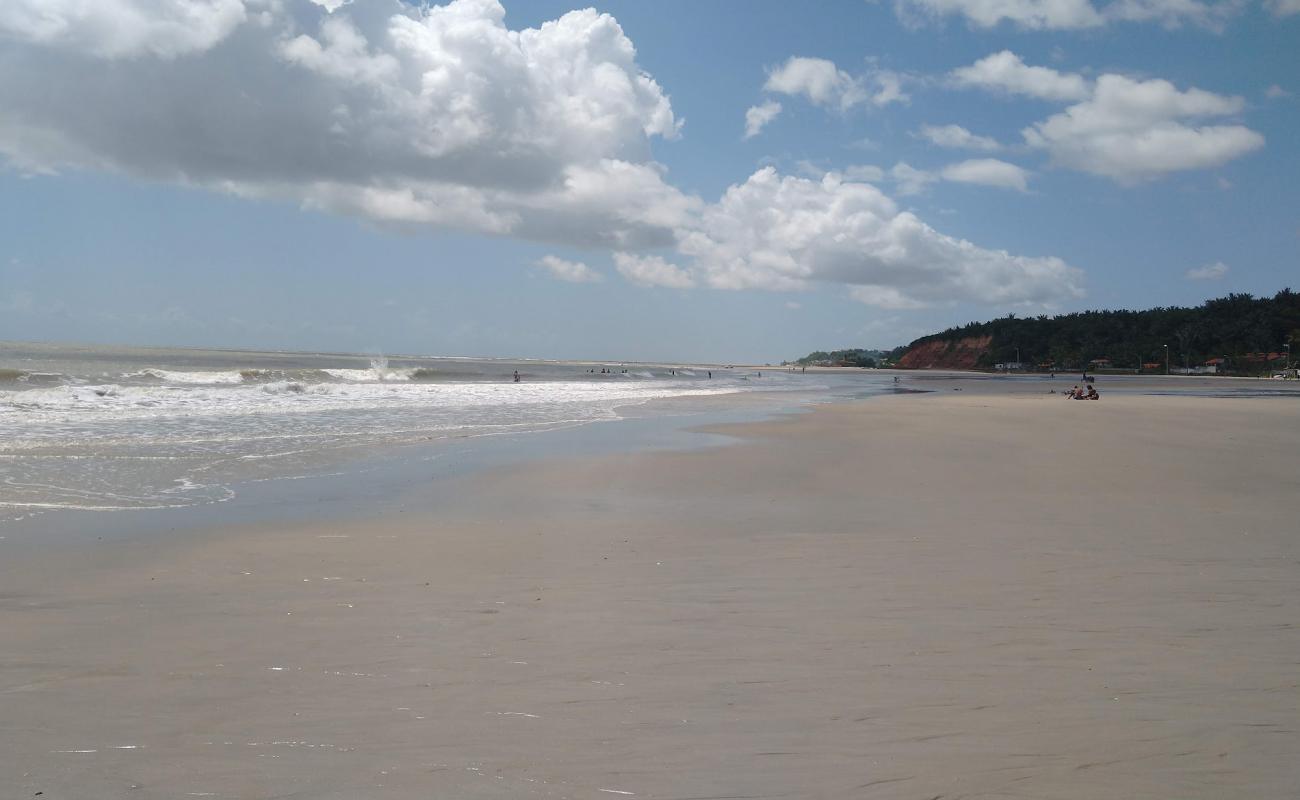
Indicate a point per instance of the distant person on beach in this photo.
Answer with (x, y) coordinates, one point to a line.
(710, 373)
(516, 376)
(1092, 393)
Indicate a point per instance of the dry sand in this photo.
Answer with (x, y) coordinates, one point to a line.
(951, 596)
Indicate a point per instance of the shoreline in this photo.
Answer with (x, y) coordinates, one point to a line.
(352, 464)
(888, 598)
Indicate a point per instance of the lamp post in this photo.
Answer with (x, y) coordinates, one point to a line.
(1166, 347)
(1288, 354)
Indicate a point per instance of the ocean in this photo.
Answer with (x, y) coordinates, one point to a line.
(99, 428)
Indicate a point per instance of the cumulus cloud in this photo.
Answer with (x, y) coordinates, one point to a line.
(405, 115)
(124, 28)
(652, 271)
(1005, 72)
(757, 117)
(825, 84)
(570, 271)
(1275, 92)
(1209, 272)
(988, 172)
(1118, 127)
(418, 116)
(956, 137)
(1283, 8)
(1130, 130)
(1071, 14)
(783, 232)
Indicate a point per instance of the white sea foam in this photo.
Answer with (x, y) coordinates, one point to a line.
(376, 373)
(190, 378)
(150, 445)
(109, 435)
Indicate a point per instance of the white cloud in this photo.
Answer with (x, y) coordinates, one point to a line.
(817, 79)
(1029, 14)
(1130, 130)
(652, 271)
(571, 271)
(988, 172)
(1209, 272)
(867, 173)
(1005, 72)
(441, 116)
(757, 117)
(1119, 127)
(1283, 8)
(909, 180)
(431, 116)
(825, 84)
(1072, 14)
(783, 233)
(123, 28)
(957, 137)
(1275, 92)
(793, 306)
(887, 87)
(1174, 13)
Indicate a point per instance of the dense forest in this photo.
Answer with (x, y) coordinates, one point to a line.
(1240, 333)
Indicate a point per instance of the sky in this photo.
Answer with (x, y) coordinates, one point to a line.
(683, 181)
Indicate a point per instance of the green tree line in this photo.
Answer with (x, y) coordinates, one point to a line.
(1239, 328)
(845, 358)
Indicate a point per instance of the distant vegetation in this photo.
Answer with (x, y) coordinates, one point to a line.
(848, 358)
(1240, 334)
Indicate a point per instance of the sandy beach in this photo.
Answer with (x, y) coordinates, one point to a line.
(974, 594)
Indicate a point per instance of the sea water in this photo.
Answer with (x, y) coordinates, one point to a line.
(114, 428)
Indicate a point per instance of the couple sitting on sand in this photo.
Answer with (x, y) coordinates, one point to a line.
(1078, 394)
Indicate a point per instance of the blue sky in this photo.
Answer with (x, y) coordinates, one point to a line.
(549, 182)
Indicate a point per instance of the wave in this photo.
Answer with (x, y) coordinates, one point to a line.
(295, 387)
(267, 376)
(12, 375)
(380, 373)
(188, 378)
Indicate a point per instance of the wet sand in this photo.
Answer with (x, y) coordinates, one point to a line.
(958, 595)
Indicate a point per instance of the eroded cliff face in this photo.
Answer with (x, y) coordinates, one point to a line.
(953, 354)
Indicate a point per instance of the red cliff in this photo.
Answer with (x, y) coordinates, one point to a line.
(952, 354)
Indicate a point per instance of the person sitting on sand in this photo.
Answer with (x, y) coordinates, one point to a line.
(1092, 393)
(1078, 393)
